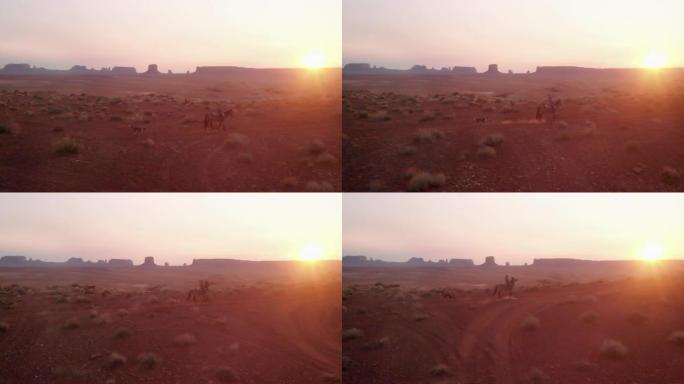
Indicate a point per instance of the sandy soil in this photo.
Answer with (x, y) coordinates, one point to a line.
(284, 136)
(251, 330)
(479, 133)
(456, 335)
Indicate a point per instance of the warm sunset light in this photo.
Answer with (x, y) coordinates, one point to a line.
(652, 252)
(311, 252)
(314, 60)
(655, 60)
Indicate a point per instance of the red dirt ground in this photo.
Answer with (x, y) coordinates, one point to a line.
(479, 338)
(279, 116)
(263, 327)
(612, 134)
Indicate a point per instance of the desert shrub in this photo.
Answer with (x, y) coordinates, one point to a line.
(148, 143)
(148, 360)
(66, 146)
(123, 312)
(563, 136)
(236, 140)
(537, 376)
(589, 299)
(380, 116)
(245, 158)
(677, 338)
(427, 117)
(185, 340)
(4, 326)
(562, 124)
(315, 186)
(57, 129)
(670, 175)
(122, 333)
(440, 370)
(492, 140)
(376, 344)
(637, 318)
(315, 147)
(362, 115)
(326, 159)
(421, 317)
(226, 375)
(486, 152)
(407, 150)
(589, 317)
(223, 320)
(376, 186)
(584, 366)
(290, 182)
(329, 378)
(632, 146)
(70, 373)
(530, 323)
(93, 313)
(116, 360)
(4, 129)
(71, 324)
(346, 363)
(426, 136)
(613, 349)
(423, 181)
(116, 119)
(351, 334)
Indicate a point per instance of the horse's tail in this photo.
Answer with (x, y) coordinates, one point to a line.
(496, 289)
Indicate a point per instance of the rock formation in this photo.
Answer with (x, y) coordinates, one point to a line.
(354, 260)
(17, 68)
(416, 260)
(489, 262)
(493, 69)
(152, 69)
(120, 263)
(461, 263)
(75, 260)
(149, 262)
(13, 260)
(357, 67)
(78, 68)
(124, 71)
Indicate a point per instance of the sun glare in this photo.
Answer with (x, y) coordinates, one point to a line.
(652, 252)
(314, 60)
(655, 60)
(311, 252)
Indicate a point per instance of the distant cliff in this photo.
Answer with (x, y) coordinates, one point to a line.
(367, 69)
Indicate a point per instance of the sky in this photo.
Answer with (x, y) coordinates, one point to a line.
(518, 35)
(173, 228)
(513, 228)
(175, 34)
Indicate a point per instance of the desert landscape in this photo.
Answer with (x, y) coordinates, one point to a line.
(113, 129)
(566, 321)
(556, 129)
(113, 322)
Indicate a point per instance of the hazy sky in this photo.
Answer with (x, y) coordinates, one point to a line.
(171, 227)
(175, 34)
(512, 227)
(518, 35)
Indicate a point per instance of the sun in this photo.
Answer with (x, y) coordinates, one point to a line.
(652, 252)
(311, 252)
(314, 60)
(655, 60)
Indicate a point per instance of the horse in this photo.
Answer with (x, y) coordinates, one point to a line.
(217, 119)
(551, 106)
(201, 293)
(506, 288)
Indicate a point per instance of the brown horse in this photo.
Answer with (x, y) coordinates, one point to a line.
(506, 288)
(217, 119)
(199, 294)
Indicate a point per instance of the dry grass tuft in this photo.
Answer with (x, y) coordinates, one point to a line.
(537, 376)
(423, 181)
(486, 152)
(4, 326)
(326, 159)
(185, 340)
(315, 186)
(677, 338)
(440, 370)
(613, 349)
(670, 175)
(530, 323)
(148, 360)
(589, 317)
(492, 140)
(427, 136)
(226, 375)
(376, 344)
(116, 360)
(236, 140)
(351, 334)
(66, 146)
(421, 317)
(122, 333)
(71, 324)
(315, 147)
(407, 150)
